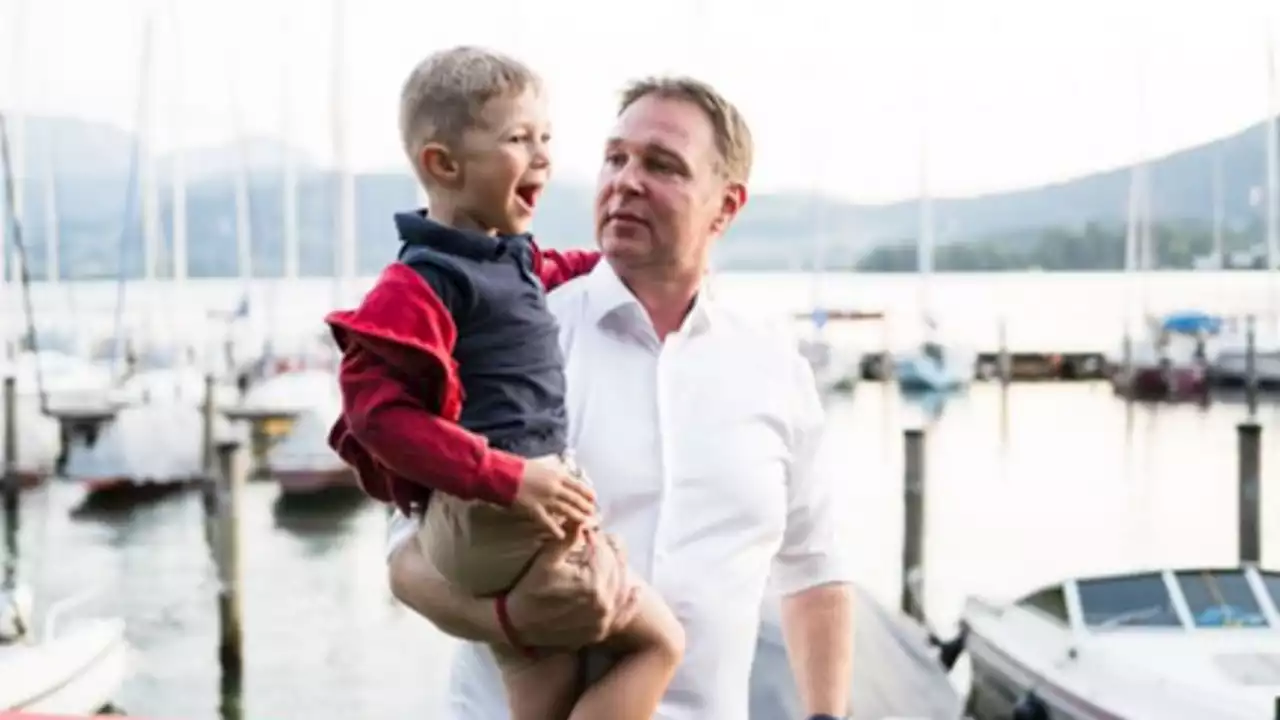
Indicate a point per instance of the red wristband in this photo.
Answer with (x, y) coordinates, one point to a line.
(509, 630)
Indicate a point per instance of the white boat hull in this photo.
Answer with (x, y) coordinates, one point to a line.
(1232, 364)
(78, 673)
(1131, 647)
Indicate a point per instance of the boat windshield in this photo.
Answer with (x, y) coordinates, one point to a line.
(1271, 580)
(1221, 599)
(1125, 602)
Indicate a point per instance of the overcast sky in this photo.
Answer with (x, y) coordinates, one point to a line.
(839, 94)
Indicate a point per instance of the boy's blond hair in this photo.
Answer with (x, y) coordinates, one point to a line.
(446, 93)
(729, 127)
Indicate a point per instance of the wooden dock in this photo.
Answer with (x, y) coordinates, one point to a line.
(1023, 366)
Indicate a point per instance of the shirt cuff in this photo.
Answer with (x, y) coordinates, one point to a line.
(795, 576)
(499, 476)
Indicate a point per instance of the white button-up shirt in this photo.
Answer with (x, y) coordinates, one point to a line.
(701, 451)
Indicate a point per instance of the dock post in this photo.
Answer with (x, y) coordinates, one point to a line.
(1249, 449)
(1004, 363)
(1251, 364)
(912, 600)
(208, 461)
(1126, 356)
(223, 528)
(10, 482)
(210, 415)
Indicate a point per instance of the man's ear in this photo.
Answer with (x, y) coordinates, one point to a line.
(735, 197)
(440, 165)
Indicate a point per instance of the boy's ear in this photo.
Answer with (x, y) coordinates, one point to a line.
(439, 165)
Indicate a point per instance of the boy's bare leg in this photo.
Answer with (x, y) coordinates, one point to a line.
(542, 689)
(633, 687)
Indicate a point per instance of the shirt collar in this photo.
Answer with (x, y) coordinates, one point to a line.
(608, 297)
(417, 228)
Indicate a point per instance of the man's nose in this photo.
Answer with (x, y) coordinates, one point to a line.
(629, 178)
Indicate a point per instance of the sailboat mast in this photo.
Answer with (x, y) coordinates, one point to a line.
(52, 239)
(150, 187)
(1272, 185)
(1219, 212)
(178, 170)
(344, 238)
(18, 133)
(289, 201)
(1273, 160)
(244, 239)
(924, 246)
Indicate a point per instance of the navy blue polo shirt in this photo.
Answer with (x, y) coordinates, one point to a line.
(508, 347)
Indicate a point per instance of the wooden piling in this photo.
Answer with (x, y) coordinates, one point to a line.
(912, 598)
(1004, 362)
(1126, 359)
(1251, 365)
(10, 484)
(1249, 449)
(232, 476)
(210, 414)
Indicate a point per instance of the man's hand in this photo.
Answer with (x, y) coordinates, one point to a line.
(551, 496)
(568, 598)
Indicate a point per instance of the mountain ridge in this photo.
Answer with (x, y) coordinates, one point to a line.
(776, 231)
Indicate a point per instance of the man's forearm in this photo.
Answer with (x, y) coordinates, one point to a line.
(817, 624)
(416, 583)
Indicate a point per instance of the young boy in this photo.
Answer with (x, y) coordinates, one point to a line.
(453, 381)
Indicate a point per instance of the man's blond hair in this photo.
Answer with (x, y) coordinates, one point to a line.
(729, 128)
(446, 93)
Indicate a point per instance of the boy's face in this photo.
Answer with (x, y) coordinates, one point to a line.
(504, 163)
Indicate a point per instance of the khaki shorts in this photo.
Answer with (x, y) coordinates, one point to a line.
(480, 548)
(483, 549)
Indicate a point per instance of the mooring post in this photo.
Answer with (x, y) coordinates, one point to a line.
(10, 482)
(1126, 358)
(230, 480)
(208, 461)
(1004, 363)
(1251, 364)
(1249, 435)
(912, 601)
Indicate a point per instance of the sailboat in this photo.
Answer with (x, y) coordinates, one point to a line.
(1232, 359)
(1169, 360)
(931, 366)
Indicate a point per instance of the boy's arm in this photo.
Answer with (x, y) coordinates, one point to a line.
(401, 395)
(412, 441)
(557, 268)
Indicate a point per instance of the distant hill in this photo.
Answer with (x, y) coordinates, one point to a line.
(776, 231)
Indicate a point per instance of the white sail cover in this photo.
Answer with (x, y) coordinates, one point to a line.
(158, 442)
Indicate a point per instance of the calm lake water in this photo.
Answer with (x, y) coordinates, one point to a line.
(1040, 311)
(1023, 488)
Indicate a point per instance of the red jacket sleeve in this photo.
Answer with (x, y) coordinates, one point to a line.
(557, 268)
(401, 400)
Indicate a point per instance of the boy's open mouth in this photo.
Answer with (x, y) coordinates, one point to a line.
(528, 194)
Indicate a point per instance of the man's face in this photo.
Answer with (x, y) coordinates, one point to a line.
(661, 198)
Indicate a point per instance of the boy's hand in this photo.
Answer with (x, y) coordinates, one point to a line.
(553, 497)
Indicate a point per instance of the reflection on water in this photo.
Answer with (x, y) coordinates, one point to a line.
(1023, 487)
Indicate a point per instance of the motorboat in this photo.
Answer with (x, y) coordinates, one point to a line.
(68, 668)
(1171, 644)
(1173, 361)
(302, 461)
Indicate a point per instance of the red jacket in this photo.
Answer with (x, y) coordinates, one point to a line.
(402, 398)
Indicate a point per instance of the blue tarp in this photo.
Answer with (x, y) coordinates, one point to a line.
(1191, 323)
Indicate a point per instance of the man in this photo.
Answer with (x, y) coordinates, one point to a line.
(699, 429)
